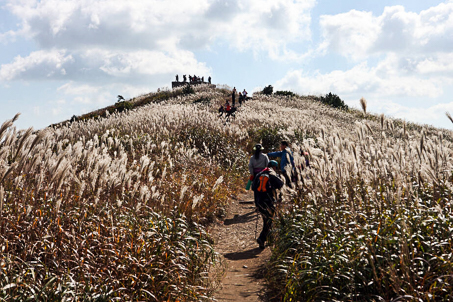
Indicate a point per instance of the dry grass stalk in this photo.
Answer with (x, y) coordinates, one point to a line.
(449, 116)
(363, 104)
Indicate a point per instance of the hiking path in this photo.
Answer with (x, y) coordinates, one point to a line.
(235, 240)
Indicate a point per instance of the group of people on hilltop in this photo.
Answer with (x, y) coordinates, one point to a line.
(193, 79)
(265, 182)
(242, 96)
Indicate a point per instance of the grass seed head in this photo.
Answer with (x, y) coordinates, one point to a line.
(363, 104)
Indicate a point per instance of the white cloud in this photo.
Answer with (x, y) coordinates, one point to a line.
(396, 57)
(356, 34)
(351, 34)
(434, 114)
(97, 95)
(38, 65)
(409, 98)
(7, 36)
(165, 25)
(100, 41)
(146, 62)
(74, 89)
(436, 64)
(361, 80)
(91, 65)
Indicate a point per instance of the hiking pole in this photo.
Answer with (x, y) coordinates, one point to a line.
(256, 224)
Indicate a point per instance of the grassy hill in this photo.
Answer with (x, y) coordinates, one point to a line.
(116, 204)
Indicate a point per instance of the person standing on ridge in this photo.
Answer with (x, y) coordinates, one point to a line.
(286, 159)
(233, 96)
(241, 99)
(244, 95)
(264, 186)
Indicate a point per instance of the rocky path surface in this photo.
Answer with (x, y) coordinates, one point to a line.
(235, 241)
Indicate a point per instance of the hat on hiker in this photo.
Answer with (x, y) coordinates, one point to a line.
(272, 163)
(257, 147)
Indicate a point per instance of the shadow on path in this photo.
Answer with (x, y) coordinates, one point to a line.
(250, 254)
(247, 217)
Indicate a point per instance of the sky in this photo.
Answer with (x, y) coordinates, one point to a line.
(60, 58)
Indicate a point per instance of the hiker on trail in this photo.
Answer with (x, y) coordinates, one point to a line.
(233, 95)
(224, 108)
(177, 78)
(228, 110)
(227, 106)
(258, 162)
(244, 95)
(241, 99)
(184, 78)
(287, 166)
(264, 186)
(209, 80)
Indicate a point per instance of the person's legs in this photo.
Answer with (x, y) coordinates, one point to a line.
(287, 179)
(267, 225)
(267, 211)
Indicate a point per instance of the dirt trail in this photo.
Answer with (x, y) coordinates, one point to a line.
(235, 241)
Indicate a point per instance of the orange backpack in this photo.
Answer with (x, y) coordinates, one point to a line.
(264, 184)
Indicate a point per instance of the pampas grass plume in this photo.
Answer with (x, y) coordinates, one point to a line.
(449, 116)
(363, 104)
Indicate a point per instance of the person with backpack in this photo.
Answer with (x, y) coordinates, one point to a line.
(264, 186)
(287, 158)
(258, 162)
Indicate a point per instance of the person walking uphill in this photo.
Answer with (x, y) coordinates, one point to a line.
(287, 158)
(264, 185)
(258, 162)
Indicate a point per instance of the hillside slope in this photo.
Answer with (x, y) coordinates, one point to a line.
(117, 206)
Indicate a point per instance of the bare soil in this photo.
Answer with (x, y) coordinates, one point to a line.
(235, 240)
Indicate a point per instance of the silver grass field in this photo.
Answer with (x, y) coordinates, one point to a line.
(116, 207)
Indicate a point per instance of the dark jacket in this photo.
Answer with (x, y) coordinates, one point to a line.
(275, 183)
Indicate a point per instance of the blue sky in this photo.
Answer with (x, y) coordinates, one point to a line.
(60, 58)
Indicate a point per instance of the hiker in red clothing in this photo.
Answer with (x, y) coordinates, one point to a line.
(225, 109)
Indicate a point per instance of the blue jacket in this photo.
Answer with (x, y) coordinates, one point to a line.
(284, 160)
